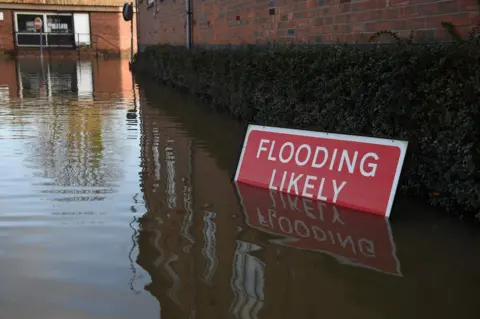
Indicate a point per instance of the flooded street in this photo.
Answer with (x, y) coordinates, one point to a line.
(107, 216)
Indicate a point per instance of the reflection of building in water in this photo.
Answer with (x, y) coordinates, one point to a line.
(247, 282)
(71, 140)
(76, 133)
(76, 142)
(165, 179)
(169, 266)
(208, 250)
(184, 192)
(105, 80)
(84, 79)
(35, 79)
(113, 80)
(4, 94)
(187, 204)
(8, 79)
(170, 166)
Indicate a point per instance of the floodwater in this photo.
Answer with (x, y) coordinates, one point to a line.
(104, 215)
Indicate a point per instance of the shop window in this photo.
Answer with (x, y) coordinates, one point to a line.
(59, 24)
(26, 22)
(57, 31)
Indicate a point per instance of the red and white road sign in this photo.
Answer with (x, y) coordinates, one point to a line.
(357, 172)
(354, 238)
(38, 23)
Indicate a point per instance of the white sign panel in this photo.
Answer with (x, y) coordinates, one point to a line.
(1, 16)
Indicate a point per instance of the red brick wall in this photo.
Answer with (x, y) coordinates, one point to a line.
(314, 21)
(162, 22)
(111, 32)
(6, 31)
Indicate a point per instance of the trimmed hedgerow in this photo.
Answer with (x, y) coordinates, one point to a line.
(428, 94)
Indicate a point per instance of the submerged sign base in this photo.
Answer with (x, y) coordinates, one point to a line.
(357, 172)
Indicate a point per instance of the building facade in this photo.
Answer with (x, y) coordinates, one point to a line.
(90, 25)
(311, 21)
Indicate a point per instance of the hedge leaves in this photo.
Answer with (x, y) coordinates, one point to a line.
(428, 94)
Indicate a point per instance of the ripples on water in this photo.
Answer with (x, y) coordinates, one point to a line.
(70, 189)
(104, 215)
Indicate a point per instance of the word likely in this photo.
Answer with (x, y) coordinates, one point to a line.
(290, 181)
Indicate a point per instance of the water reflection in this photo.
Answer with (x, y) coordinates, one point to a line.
(36, 79)
(208, 250)
(4, 94)
(353, 238)
(247, 253)
(74, 137)
(71, 194)
(119, 203)
(85, 80)
(248, 279)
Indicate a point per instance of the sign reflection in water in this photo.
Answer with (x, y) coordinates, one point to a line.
(354, 238)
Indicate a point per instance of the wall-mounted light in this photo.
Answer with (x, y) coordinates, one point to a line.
(127, 11)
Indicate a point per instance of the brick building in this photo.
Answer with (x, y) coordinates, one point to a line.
(95, 25)
(313, 21)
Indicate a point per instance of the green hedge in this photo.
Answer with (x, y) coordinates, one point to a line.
(428, 94)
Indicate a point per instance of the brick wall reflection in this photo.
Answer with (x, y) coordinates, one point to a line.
(8, 79)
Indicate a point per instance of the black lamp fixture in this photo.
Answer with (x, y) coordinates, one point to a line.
(127, 11)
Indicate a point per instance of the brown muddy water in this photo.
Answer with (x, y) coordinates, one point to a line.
(108, 216)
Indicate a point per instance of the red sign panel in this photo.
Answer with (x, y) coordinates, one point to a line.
(352, 171)
(38, 23)
(353, 238)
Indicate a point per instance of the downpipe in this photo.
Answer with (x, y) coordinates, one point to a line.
(188, 17)
(136, 25)
(131, 33)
